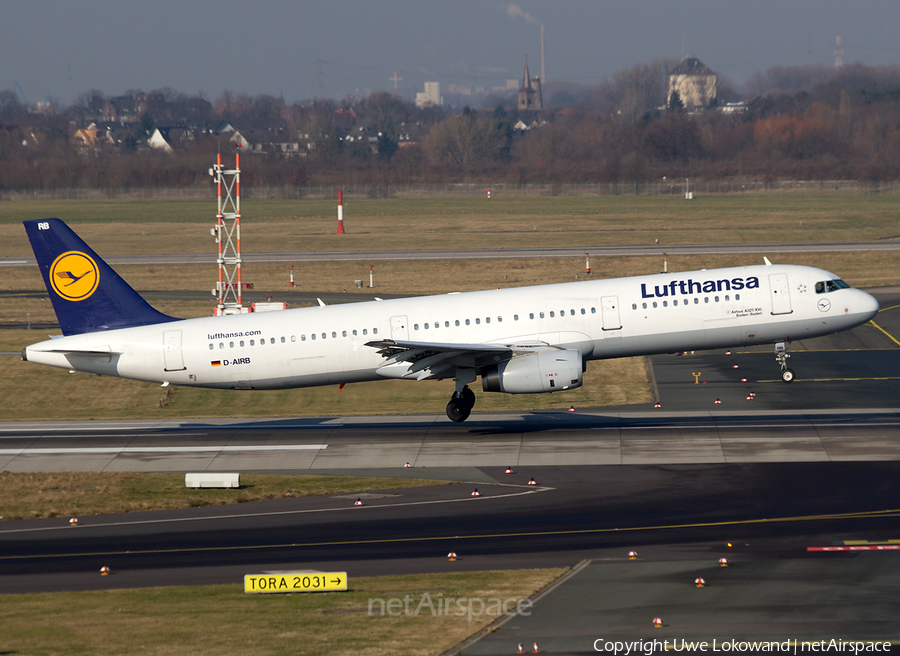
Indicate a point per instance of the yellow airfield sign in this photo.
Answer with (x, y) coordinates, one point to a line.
(295, 582)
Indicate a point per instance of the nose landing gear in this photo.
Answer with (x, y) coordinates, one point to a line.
(781, 356)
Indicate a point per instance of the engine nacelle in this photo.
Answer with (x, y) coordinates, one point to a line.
(546, 371)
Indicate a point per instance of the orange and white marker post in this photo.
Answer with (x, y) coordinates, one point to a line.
(341, 213)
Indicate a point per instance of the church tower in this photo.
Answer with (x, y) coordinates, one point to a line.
(530, 93)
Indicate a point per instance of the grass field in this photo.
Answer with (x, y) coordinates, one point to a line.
(32, 495)
(222, 619)
(132, 226)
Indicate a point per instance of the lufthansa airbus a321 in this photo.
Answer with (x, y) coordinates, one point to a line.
(526, 340)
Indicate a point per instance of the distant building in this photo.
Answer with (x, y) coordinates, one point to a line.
(431, 96)
(530, 92)
(694, 82)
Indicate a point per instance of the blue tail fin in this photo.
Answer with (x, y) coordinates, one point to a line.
(87, 295)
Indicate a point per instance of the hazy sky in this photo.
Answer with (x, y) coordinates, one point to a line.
(333, 48)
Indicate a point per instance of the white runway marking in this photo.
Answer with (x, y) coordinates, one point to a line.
(159, 449)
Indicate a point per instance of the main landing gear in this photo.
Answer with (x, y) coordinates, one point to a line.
(461, 403)
(781, 356)
(463, 400)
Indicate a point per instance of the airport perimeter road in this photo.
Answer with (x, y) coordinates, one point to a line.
(493, 253)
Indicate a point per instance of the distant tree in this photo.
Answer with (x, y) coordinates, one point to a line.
(383, 112)
(465, 139)
(387, 146)
(675, 103)
(145, 127)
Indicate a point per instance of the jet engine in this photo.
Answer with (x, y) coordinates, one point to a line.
(535, 373)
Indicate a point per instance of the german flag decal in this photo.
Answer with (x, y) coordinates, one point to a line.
(215, 363)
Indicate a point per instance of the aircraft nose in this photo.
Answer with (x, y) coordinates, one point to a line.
(867, 305)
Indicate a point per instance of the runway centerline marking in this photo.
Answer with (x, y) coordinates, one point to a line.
(525, 490)
(662, 527)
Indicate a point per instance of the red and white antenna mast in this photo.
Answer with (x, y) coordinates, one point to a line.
(228, 235)
(838, 52)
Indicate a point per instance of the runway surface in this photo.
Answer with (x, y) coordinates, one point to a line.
(810, 463)
(493, 253)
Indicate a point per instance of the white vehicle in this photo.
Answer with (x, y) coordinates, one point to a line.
(525, 340)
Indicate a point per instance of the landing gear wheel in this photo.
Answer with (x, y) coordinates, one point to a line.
(787, 375)
(458, 410)
(460, 407)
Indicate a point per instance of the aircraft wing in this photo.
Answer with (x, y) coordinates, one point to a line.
(422, 360)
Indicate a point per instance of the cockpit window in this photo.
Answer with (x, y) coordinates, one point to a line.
(826, 286)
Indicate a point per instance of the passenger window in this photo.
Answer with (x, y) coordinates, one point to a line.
(572, 312)
(324, 336)
(252, 342)
(551, 314)
(282, 340)
(426, 326)
(706, 299)
(343, 333)
(415, 326)
(210, 347)
(696, 300)
(515, 317)
(654, 304)
(542, 315)
(665, 303)
(271, 340)
(499, 319)
(221, 345)
(333, 335)
(531, 315)
(313, 335)
(593, 310)
(737, 297)
(644, 305)
(242, 343)
(447, 324)
(302, 338)
(374, 331)
(456, 322)
(354, 332)
(467, 322)
(726, 297)
(365, 332)
(675, 302)
(716, 299)
(230, 344)
(487, 319)
(478, 321)
(635, 307)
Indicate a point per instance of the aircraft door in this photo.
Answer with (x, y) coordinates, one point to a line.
(609, 313)
(399, 328)
(172, 350)
(780, 293)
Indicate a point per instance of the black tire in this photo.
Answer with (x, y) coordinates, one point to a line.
(787, 375)
(457, 411)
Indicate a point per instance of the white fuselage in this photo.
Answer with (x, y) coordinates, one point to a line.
(602, 318)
